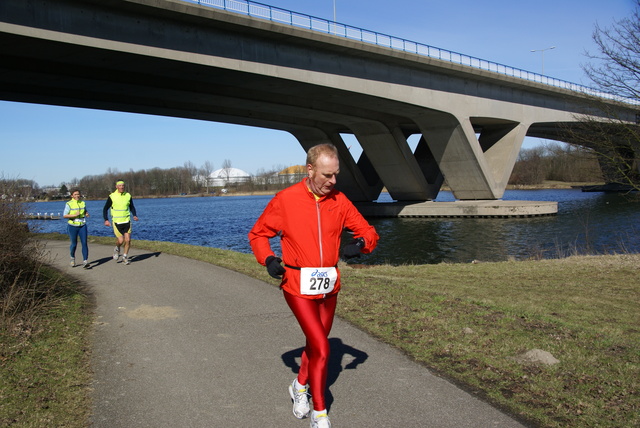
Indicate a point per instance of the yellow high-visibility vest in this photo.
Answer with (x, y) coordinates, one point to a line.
(120, 207)
(75, 208)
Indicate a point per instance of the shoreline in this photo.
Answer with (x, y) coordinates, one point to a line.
(546, 185)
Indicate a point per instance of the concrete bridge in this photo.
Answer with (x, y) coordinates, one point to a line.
(181, 59)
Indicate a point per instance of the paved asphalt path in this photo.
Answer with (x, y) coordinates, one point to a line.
(182, 343)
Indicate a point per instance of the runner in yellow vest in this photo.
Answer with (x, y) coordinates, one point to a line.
(121, 206)
(76, 213)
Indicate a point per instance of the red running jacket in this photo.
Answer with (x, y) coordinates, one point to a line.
(309, 231)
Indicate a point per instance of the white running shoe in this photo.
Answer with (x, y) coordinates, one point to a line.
(72, 263)
(116, 253)
(300, 401)
(320, 421)
(85, 264)
(126, 260)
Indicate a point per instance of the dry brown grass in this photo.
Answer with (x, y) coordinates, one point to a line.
(44, 328)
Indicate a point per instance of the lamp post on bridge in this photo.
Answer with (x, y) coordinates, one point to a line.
(335, 26)
(542, 52)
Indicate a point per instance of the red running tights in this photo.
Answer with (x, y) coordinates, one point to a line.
(315, 317)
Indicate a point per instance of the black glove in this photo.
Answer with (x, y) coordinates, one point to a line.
(352, 249)
(274, 267)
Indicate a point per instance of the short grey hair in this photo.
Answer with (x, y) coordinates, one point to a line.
(315, 152)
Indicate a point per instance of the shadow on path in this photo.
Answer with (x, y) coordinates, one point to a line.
(141, 257)
(132, 259)
(338, 352)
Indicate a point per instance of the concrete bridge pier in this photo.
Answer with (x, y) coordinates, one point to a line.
(429, 166)
(388, 151)
(361, 182)
(501, 143)
(475, 168)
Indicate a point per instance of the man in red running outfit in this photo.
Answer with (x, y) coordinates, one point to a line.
(310, 217)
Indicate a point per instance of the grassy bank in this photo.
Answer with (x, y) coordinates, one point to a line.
(468, 322)
(44, 360)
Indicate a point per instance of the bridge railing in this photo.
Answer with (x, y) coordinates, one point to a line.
(283, 16)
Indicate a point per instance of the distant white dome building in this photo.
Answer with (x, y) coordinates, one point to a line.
(225, 176)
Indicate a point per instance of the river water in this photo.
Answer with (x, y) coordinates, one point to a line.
(586, 223)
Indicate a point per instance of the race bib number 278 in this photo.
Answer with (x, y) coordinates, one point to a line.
(314, 281)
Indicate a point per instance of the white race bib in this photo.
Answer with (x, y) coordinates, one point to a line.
(315, 281)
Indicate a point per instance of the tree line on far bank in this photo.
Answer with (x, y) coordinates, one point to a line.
(550, 161)
(182, 180)
(556, 162)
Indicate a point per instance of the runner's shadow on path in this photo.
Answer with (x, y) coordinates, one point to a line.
(141, 257)
(136, 258)
(96, 263)
(338, 352)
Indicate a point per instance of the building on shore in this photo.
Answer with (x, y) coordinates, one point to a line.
(223, 177)
(292, 174)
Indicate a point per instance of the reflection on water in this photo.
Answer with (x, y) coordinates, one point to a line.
(586, 223)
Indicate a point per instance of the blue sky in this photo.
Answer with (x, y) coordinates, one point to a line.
(52, 145)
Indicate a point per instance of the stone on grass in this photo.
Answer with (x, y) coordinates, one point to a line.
(537, 356)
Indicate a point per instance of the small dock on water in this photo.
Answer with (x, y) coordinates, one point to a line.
(43, 216)
(607, 188)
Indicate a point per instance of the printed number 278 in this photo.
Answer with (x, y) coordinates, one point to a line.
(320, 283)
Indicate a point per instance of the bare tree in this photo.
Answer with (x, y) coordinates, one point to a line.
(529, 168)
(226, 170)
(615, 69)
(205, 172)
(189, 177)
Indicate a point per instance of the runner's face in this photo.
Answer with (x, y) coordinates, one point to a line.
(76, 195)
(322, 175)
(120, 187)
